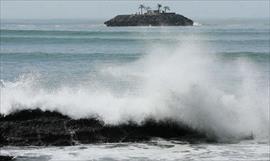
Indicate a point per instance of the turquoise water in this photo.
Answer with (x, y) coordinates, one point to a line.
(53, 47)
(212, 77)
(71, 49)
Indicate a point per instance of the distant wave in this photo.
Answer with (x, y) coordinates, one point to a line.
(122, 40)
(260, 56)
(126, 33)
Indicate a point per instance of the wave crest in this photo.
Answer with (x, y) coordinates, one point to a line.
(185, 84)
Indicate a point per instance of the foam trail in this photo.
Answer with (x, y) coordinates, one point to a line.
(177, 83)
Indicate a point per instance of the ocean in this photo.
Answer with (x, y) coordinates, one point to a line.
(213, 77)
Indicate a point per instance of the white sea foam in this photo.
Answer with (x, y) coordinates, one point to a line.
(155, 150)
(179, 83)
(196, 24)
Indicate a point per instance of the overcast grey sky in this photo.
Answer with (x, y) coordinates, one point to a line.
(106, 9)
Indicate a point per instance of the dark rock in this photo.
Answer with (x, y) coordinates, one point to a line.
(163, 19)
(36, 127)
(6, 158)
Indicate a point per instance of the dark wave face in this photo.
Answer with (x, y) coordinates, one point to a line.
(212, 77)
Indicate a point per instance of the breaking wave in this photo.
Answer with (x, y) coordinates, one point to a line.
(185, 84)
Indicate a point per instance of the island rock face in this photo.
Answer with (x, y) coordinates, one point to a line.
(43, 128)
(163, 19)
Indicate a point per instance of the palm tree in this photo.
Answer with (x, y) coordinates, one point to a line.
(166, 8)
(159, 6)
(141, 7)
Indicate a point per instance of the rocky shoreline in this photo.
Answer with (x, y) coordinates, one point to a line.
(50, 128)
(6, 158)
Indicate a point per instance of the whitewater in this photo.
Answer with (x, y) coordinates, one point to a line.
(212, 78)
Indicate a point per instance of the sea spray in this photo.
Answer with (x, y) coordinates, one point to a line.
(179, 83)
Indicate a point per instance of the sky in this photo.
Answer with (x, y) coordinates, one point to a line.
(89, 9)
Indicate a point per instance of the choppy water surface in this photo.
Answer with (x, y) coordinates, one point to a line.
(154, 150)
(213, 77)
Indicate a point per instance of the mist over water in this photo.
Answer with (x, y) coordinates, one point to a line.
(213, 78)
(186, 82)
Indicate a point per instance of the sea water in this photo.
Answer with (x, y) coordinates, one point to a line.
(213, 77)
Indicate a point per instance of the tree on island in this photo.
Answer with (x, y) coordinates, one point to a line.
(166, 8)
(141, 7)
(147, 8)
(159, 6)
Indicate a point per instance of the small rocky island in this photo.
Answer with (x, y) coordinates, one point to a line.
(148, 17)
